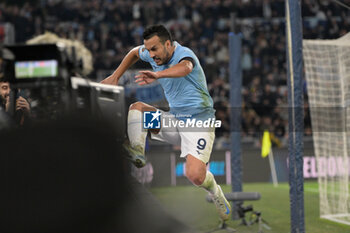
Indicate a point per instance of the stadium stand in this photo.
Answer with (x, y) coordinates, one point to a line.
(110, 28)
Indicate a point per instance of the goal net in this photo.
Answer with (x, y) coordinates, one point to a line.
(327, 69)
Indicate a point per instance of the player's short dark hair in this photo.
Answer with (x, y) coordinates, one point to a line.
(157, 30)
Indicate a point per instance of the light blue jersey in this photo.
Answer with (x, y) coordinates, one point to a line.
(188, 95)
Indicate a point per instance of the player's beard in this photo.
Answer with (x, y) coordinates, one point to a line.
(165, 59)
(167, 56)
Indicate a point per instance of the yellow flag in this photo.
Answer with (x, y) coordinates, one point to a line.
(266, 144)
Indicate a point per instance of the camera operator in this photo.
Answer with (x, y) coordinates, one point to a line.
(22, 112)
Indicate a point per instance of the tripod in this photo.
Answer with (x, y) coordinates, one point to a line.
(223, 226)
(255, 216)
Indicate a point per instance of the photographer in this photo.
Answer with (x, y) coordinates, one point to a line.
(22, 112)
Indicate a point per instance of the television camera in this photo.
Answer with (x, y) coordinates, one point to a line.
(44, 73)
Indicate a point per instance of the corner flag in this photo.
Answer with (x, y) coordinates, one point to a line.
(266, 144)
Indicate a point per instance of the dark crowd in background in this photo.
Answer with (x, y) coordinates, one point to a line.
(109, 29)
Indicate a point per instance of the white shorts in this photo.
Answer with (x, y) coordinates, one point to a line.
(197, 142)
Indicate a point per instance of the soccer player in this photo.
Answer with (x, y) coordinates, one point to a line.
(179, 72)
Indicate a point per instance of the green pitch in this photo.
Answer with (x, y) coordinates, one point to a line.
(188, 204)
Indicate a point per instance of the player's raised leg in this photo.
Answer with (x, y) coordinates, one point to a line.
(137, 134)
(196, 172)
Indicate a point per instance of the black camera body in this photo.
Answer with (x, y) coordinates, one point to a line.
(44, 71)
(36, 65)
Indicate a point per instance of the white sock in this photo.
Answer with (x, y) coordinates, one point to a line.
(209, 183)
(136, 133)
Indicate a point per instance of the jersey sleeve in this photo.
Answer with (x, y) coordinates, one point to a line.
(189, 59)
(144, 54)
(187, 55)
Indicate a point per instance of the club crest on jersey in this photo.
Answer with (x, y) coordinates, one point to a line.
(151, 119)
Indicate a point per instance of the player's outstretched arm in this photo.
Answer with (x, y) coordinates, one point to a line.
(179, 70)
(131, 58)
